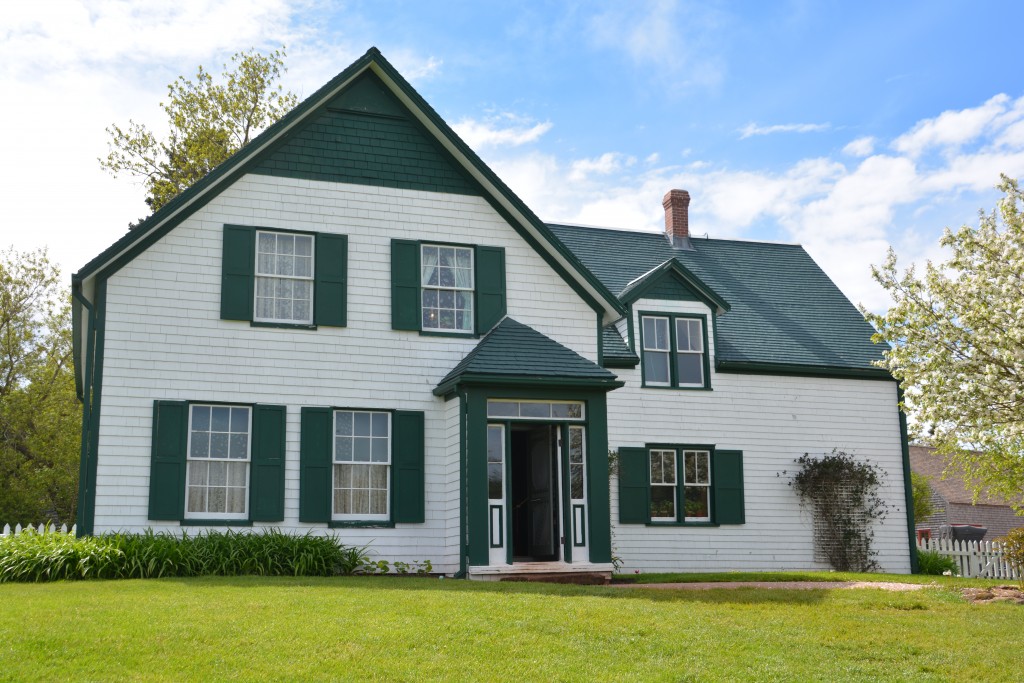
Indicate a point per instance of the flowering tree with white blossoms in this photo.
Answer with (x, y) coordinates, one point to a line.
(956, 339)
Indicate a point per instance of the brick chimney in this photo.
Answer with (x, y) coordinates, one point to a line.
(677, 218)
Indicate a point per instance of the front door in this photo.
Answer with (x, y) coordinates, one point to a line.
(535, 509)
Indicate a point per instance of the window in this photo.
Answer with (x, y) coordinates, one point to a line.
(446, 280)
(284, 278)
(697, 486)
(663, 486)
(674, 351)
(218, 462)
(532, 410)
(362, 465)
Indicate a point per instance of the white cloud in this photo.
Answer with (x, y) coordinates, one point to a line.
(506, 130)
(861, 147)
(652, 158)
(752, 129)
(952, 128)
(602, 165)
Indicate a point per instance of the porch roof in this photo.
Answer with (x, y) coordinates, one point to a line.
(514, 353)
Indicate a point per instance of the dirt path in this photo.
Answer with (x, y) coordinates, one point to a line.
(787, 585)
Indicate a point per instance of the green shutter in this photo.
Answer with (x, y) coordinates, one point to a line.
(407, 455)
(167, 464)
(405, 285)
(727, 473)
(315, 465)
(266, 492)
(634, 486)
(331, 274)
(490, 287)
(238, 264)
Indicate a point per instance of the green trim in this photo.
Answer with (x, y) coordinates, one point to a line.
(622, 363)
(713, 525)
(673, 268)
(908, 488)
(600, 341)
(283, 326)
(463, 483)
(630, 334)
(357, 524)
(85, 518)
(836, 372)
(679, 449)
(500, 542)
(519, 380)
(461, 335)
(77, 303)
(565, 501)
(216, 522)
(83, 453)
(673, 351)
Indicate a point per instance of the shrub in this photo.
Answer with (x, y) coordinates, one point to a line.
(53, 556)
(843, 494)
(1013, 550)
(932, 563)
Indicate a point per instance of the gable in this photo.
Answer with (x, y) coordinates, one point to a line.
(365, 136)
(672, 288)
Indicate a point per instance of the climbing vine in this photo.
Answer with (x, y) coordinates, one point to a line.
(842, 493)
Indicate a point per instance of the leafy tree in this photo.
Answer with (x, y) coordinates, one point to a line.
(207, 123)
(956, 337)
(40, 417)
(922, 491)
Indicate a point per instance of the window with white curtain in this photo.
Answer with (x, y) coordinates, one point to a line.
(447, 288)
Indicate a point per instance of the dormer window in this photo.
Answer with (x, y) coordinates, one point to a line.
(675, 353)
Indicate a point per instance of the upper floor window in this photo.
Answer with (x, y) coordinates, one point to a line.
(284, 278)
(446, 280)
(674, 351)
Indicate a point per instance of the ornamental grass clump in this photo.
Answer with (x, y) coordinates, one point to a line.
(52, 556)
(842, 493)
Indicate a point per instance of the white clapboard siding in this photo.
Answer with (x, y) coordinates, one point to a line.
(773, 420)
(976, 559)
(165, 340)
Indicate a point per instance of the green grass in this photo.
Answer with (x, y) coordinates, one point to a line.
(254, 628)
(721, 577)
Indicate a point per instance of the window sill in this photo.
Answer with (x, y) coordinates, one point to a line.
(357, 524)
(440, 333)
(287, 326)
(671, 388)
(690, 524)
(216, 522)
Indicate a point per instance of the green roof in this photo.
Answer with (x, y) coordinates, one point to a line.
(615, 350)
(514, 351)
(784, 310)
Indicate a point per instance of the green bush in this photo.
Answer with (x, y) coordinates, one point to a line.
(1013, 550)
(934, 564)
(53, 556)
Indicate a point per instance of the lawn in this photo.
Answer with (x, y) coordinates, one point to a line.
(430, 629)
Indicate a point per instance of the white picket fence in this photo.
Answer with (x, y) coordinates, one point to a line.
(41, 529)
(980, 559)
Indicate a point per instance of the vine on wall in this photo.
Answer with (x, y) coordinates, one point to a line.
(842, 493)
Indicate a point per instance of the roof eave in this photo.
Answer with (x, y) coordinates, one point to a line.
(476, 379)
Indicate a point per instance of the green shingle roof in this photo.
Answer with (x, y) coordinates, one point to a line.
(785, 311)
(514, 350)
(615, 350)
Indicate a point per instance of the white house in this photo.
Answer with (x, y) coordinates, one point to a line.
(353, 326)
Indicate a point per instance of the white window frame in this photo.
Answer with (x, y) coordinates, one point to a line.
(470, 290)
(494, 411)
(257, 275)
(688, 484)
(386, 516)
(647, 348)
(244, 515)
(674, 486)
(699, 353)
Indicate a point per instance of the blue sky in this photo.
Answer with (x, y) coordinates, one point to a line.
(846, 127)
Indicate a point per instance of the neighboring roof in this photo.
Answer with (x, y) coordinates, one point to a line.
(784, 311)
(514, 350)
(498, 194)
(953, 489)
(615, 350)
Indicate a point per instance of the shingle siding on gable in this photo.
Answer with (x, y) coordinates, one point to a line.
(165, 340)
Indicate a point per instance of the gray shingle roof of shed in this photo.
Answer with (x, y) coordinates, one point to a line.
(785, 309)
